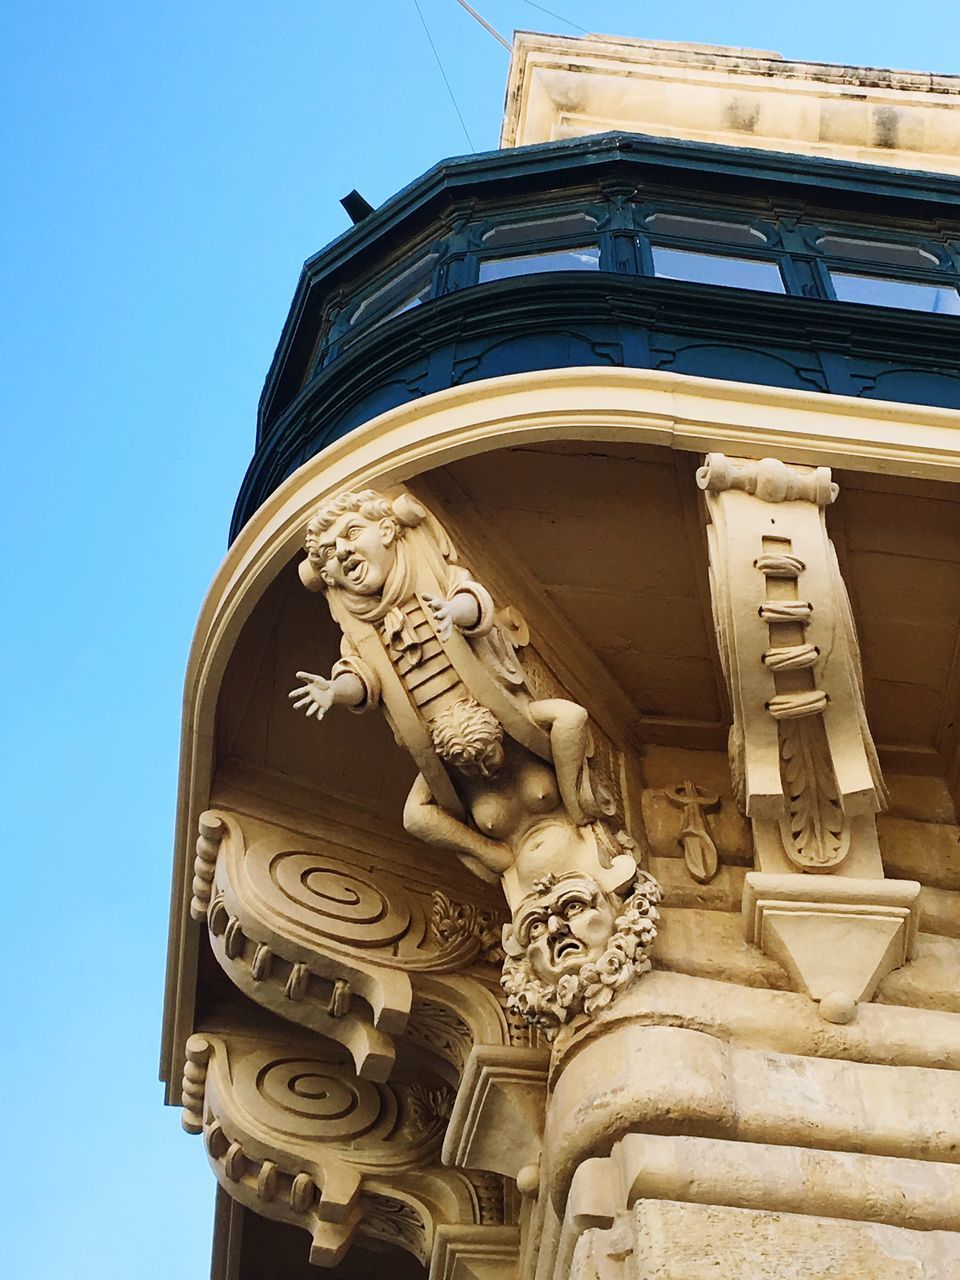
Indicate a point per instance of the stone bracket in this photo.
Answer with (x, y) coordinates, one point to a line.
(497, 1120)
(803, 760)
(475, 1253)
(837, 937)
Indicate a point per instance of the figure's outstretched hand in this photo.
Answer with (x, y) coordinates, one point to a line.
(460, 611)
(316, 694)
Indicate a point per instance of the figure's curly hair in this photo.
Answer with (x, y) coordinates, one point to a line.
(465, 732)
(367, 502)
(548, 1005)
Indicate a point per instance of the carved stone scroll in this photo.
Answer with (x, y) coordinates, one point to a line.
(801, 748)
(297, 1137)
(338, 947)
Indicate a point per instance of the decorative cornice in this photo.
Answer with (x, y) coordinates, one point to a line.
(649, 407)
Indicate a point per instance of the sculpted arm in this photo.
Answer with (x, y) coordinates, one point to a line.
(351, 684)
(318, 694)
(425, 819)
(566, 722)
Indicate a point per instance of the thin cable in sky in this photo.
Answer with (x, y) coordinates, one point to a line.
(559, 17)
(484, 23)
(453, 99)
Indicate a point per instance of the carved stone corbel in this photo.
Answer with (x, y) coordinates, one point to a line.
(475, 1253)
(299, 1138)
(802, 757)
(801, 749)
(507, 779)
(497, 1119)
(335, 947)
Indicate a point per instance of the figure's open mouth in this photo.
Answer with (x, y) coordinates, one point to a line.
(355, 568)
(566, 947)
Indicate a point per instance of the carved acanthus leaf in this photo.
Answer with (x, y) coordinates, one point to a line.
(466, 929)
(816, 834)
(395, 1222)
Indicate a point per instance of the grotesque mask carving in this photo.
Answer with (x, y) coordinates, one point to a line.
(573, 946)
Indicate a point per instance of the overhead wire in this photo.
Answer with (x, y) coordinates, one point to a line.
(463, 123)
(559, 16)
(484, 23)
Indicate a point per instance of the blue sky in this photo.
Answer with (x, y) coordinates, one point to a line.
(168, 167)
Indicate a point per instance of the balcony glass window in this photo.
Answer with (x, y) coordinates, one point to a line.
(536, 230)
(879, 251)
(675, 224)
(581, 258)
(717, 268)
(882, 291)
(408, 289)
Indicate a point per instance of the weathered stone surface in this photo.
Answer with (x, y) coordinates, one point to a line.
(923, 799)
(924, 851)
(930, 981)
(940, 912)
(710, 944)
(723, 893)
(706, 1242)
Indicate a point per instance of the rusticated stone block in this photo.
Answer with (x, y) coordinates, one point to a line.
(667, 1240)
(710, 944)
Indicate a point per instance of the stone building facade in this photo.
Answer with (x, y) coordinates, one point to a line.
(567, 879)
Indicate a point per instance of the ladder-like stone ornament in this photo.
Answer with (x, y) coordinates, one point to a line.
(802, 757)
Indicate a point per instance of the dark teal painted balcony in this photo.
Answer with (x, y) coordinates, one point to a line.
(621, 250)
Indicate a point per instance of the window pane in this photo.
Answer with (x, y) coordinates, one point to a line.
(582, 259)
(897, 255)
(880, 291)
(404, 290)
(674, 224)
(518, 233)
(716, 268)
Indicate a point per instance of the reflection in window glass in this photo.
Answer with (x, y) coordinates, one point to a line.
(399, 294)
(674, 224)
(716, 268)
(881, 291)
(586, 258)
(567, 224)
(896, 255)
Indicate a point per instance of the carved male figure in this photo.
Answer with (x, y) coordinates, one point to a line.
(504, 779)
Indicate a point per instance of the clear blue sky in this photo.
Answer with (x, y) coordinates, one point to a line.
(167, 168)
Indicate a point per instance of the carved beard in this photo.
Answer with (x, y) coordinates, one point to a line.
(550, 1005)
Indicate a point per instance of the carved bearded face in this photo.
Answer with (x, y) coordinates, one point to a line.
(357, 554)
(566, 927)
